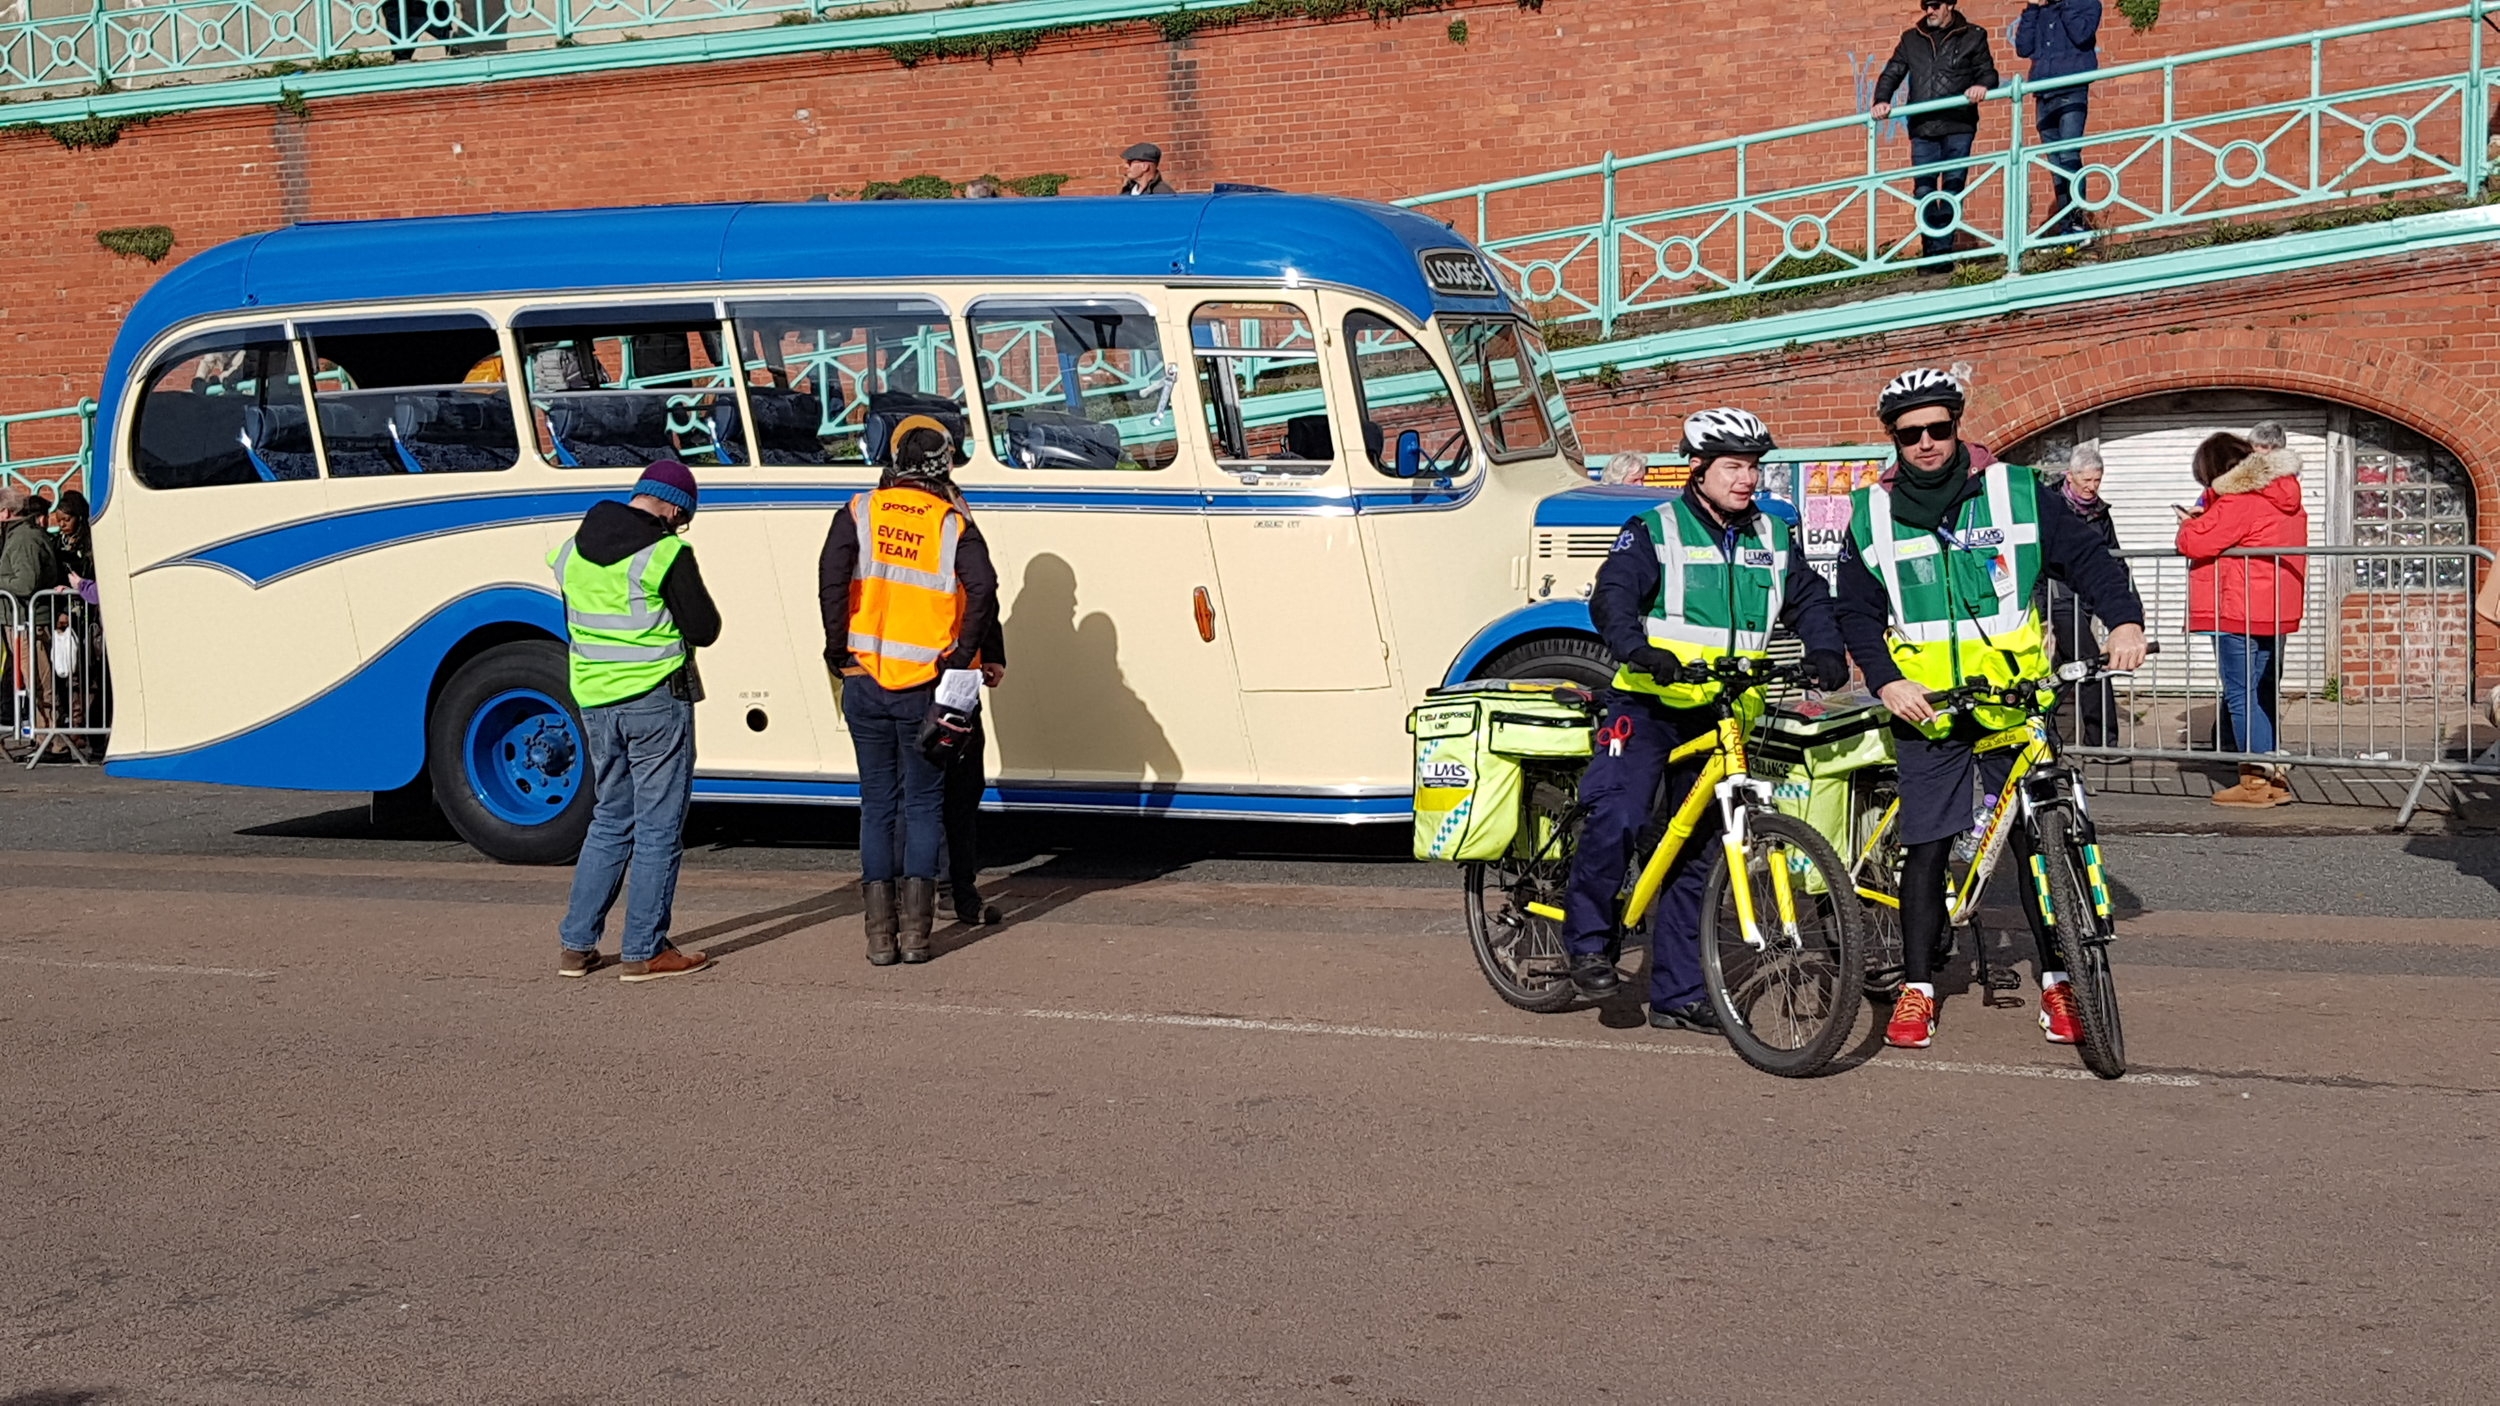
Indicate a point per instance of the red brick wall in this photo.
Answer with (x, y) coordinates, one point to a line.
(2405, 647)
(1347, 107)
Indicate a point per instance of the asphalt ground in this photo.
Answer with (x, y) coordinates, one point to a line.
(298, 1111)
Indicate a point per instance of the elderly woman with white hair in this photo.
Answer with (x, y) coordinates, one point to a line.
(2095, 703)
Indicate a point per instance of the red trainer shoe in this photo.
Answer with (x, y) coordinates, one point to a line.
(1913, 1025)
(2057, 1014)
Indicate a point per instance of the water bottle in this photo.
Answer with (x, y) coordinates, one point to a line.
(1966, 848)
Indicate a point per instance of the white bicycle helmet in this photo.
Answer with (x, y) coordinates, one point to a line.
(1913, 389)
(1725, 431)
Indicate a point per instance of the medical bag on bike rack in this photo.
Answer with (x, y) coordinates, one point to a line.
(1807, 749)
(1470, 741)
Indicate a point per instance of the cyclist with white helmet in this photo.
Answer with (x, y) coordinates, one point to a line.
(1937, 585)
(1696, 579)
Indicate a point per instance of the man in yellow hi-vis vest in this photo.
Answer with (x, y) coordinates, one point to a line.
(635, 610)
(1937, 585)
(907, 592)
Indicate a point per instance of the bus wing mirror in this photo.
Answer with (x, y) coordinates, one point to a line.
(1410, 462)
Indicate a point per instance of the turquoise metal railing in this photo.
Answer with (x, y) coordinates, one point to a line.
(2391, 109)
(119, 60)
(47, 448)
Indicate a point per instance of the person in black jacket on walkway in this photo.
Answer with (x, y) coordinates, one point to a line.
(1943, 54)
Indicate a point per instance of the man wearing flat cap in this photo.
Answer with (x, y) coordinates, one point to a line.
(1144, 163)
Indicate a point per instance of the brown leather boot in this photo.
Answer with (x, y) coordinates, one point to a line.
(2251, 791)
(919, 913)
(879, 918)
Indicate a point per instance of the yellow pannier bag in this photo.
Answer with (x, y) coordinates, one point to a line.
(1470, 740)
(1808, 751)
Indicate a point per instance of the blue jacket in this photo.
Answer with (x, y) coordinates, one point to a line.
(2060, 37)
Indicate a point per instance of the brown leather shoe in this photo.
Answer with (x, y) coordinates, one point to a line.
(919, 914)
(2252, 790)
(667, 962)
(572, 963)
(877, 916)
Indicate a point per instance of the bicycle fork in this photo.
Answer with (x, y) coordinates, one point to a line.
(1734, 838)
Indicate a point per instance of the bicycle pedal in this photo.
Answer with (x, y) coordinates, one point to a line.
(2001, 979)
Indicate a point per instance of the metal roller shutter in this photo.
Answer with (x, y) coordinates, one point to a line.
(2148, 448)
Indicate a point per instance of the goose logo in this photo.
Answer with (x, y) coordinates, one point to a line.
(1459, 273)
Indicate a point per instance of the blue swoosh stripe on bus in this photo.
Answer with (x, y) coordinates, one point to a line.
(1145, 798)
(275, 553)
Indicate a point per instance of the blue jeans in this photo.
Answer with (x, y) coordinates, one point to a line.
(1622, 790)
(2064, 124)
(896, 783)
(1937, 216)
(642, 769)
(2249, 689)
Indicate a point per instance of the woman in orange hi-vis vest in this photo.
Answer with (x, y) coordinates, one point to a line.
(907, 592)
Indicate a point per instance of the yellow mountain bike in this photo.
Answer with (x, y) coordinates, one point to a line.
(1782, 935)
(2043, 797)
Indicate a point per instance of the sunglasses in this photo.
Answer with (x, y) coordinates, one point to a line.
(1942, 432)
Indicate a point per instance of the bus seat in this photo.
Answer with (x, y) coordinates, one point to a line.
(1051, 439)
(1307, 437)
(278, 439)
(188, 440)
(886, 409)
(788, 424)
(603, 429)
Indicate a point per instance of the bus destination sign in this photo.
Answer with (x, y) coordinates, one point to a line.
(1459, 273)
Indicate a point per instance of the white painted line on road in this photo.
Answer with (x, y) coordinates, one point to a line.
(1462, 1037)
(149, 968)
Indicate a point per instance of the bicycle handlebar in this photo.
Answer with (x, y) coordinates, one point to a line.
(1741, 673)
(2024, 693)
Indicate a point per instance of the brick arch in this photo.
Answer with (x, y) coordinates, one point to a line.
(2386, 381)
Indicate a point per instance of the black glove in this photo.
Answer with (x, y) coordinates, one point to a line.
(1656, 663)
(1829, 668)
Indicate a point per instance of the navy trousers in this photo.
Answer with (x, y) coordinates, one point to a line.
(1628, 782)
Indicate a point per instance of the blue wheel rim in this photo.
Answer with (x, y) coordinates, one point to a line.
(524, 757)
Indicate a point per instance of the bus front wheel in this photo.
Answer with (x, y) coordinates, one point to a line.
(507, 755)
(1571, 658)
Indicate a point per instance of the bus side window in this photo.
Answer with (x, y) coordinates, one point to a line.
(1501, 386)
(1402, 390)
(1077, 383)
(1258, 372)
(811, 368)
(224, 407)
(625, 387)
(422, 394)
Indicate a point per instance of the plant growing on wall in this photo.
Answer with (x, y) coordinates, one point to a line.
(149, 242)
(2143, 14)
(85, 134)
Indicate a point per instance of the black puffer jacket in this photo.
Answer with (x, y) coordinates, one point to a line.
(1940, 64)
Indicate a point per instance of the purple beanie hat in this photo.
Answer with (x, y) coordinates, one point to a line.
(670, 482)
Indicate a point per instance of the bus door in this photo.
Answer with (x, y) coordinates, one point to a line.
(223, 524)
(1107, 585)
(1278, 473)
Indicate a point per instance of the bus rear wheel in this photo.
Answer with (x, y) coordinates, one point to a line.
(508, 756)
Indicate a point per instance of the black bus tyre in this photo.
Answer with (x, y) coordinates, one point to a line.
(1521, 953)
(2083, 939)
(505, 748)
(1566, 657)
(1788, 1016)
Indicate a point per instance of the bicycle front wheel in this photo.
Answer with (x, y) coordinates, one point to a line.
(1787, 991)
(2083, 933)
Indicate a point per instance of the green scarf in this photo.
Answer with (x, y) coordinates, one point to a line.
(1921, 499)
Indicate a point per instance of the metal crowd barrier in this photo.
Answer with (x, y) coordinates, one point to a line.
(58, 691)
(2378, 675)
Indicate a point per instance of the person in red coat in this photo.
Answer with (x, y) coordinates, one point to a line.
(2247, 603)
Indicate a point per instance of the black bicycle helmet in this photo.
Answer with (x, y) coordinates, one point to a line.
(1725, 431)
(1912, 390)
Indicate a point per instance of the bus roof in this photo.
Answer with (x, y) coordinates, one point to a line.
(1245, 235)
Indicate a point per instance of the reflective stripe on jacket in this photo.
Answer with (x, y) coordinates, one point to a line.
(907, 606)
(1712, 601)
(621, 641)
(1962, 597)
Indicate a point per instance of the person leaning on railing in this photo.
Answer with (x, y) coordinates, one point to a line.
(2062, 38)
(2248, 604)
(1938, 585)
(1940, 56)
